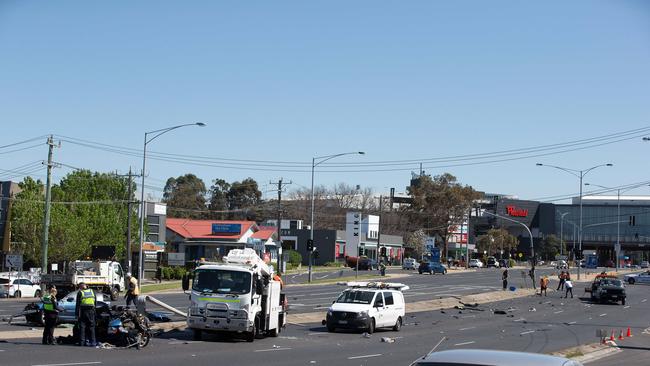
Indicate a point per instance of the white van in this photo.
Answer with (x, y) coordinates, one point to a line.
(368, 306)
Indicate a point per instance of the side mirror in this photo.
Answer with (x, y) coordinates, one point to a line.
(186, 282)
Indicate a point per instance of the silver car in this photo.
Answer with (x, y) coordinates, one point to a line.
(479, 357)
(410, 263)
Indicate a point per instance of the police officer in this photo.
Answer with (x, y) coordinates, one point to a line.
(86, 314)
(50, 315)
(132, 291)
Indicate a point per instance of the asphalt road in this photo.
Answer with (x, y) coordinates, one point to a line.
(555, 324)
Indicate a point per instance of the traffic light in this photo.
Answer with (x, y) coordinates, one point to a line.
(316, 254)
(382, 251)
(310, 245)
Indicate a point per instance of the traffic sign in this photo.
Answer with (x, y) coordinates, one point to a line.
(14, 261)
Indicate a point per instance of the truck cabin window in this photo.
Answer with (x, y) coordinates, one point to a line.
(222, 282)
(356, 297)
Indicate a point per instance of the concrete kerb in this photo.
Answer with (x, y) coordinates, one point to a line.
(589, 352)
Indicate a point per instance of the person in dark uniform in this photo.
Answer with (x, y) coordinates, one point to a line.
(504, 278)
(50, 315)
(85, 309)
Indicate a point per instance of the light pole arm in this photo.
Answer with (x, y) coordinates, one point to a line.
(163, 131)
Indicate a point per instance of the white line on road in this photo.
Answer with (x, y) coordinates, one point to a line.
(644, 300)
(273, 349)
(571, 323)
(603, 314)
(519, 320)
(528, 332)
(464, 343)
(626, 307)
(366, 356)
(71, 364)
(468, 328)
(559, 311)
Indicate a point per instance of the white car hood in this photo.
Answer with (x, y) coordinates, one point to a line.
(350, 308)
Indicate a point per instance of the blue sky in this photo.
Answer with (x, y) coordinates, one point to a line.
(289, 80)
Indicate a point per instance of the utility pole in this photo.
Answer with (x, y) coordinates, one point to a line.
(48, 203)
(128, 223)
(381, 199)
(280, 188)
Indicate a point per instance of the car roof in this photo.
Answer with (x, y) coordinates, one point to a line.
(485, 357)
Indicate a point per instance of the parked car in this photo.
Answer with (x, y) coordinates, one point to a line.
(410, 263)
(562, 264)
(644, 264)
(19, 287)
(475, 263)
(481, 357)
(633, 278)
(492, 262)
(69, 305)
(504, 263)
(431, 268)
(368, 306)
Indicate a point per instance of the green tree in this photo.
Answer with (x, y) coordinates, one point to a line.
(219, 198)
(185, 196)
(495, 240)
(246, 196)
(549, 247)
(440, 203)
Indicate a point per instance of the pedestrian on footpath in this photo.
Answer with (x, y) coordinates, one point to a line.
(51, 316)
(132, 291)
(569, 288)
(562, 278)
(504, 278)
(86, 315)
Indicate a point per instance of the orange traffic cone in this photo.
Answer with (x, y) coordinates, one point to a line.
(611, 338)
(620, 335)
(629, 332)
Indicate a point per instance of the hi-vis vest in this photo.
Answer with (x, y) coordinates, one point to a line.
(136, 290)
(48, 304)
(88, 297)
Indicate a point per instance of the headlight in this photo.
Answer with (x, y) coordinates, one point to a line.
(329, 313)
(363, 314)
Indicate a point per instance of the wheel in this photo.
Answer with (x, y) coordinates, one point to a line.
(431, 272)
(445, 272)
(197, 334)
(631, 281)
(420, 272)
(623, 301)
(258, 330)
(114, 294)
(371, 326)
(17, 294)
(398, 324)
(37, 293)
(331, 328)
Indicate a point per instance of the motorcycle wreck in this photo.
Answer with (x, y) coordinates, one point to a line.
(116, 326)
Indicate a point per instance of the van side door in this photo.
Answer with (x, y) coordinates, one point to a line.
(390, 309)
(379, 310)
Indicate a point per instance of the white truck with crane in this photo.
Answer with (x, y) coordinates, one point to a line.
(237, 296)
(103, 276)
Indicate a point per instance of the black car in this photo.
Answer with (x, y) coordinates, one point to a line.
(492, 262)
(503, 263)
(607, 288)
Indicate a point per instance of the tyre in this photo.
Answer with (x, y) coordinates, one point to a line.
(631, 281)
(371, 326)
(17, 294)
(37, 293)
(258, 329)
(420, 272)
(623, 301)
(331, 328)
(398, 324)
(197, 334)
(114, 294)
(431, 272)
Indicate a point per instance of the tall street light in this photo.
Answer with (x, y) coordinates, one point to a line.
(562, 233)
(617, 248)
(579, 174)
(143, 207)
(315, 162)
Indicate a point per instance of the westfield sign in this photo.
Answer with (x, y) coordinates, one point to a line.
(516, 212)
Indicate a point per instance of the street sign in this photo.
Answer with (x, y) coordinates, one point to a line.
(435, 255)
(14, 261)
(429, 244)
(176, 259)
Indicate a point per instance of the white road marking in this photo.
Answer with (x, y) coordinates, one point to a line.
(559, 311)
(464, 343)
(571, 323)
(528, 332)
(603, 314)
(321, 307)
(468, 316)
(626, 307)
(519, 320)
(273, 349)
(365, 356)
(644, 300)
(71, 364)
(468, 328)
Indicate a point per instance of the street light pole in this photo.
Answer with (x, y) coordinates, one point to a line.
(143, 206)
(580, 174)
(562, 233)
(321, 159)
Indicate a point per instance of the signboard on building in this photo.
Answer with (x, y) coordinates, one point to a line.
(159, 209)
(435, 255)
(14, 261)
(429, 244)
(226, 229)
(176, 259)
(352, 233)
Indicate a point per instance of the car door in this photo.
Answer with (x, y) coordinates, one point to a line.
(390, 309)
(380, 312)
(643, 277)
(30, 288)
(68, 303)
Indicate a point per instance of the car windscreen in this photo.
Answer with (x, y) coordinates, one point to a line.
(611, 282)
(222, 281)
(355, 297)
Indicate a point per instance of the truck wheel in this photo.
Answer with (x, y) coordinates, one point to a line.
(398, 324)
(371, 326)
(197, 334)
(114, 294)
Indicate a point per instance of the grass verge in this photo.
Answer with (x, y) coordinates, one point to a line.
(174, 285)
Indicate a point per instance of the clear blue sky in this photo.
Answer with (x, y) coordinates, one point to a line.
(288, 80)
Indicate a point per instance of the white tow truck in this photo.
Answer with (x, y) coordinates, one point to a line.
(236, 296)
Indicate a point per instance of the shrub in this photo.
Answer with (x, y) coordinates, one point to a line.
(294, 257)
(511, 263)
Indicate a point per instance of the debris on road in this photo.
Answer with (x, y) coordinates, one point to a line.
(532, 309)
(366, 335)
(388, 340)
